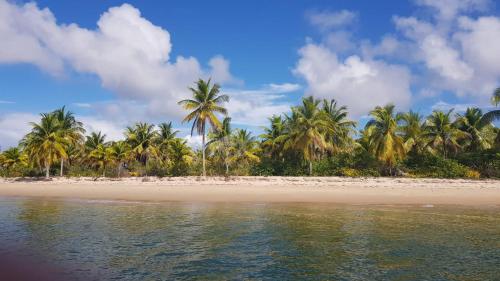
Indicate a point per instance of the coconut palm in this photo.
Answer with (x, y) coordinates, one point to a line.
(245, 148)
(478, 127)
(412, 130)
(442, 133)
(205, 103)
(100, 158)
(181, 155)
(94, 140)
(119, 152)
(307, 126)
(46, 142)
(340, 128)
(141, 139)
(271, 141)
(495, 99)
(12, 157)
(71, 129)
(166, 136)
(219, 141)
(383, 140)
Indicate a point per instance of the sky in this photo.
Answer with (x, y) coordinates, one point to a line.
(114, 63)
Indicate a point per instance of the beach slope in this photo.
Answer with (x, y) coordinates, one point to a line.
(264, 189)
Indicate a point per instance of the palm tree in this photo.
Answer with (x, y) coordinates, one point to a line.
(181, 155)
(141, 139)
(478, 127)
(12, 157)
(272, 142)
(220, 140)
(46, 142)
(412, 131)
(119, 152)
(100, 157)
(71, 129)
(245, 147)
(306, 132)
(94, 140)
(206, 101)
(340, 128)
(495, 99)
(166, 136)
(383, 140)
(442, 133)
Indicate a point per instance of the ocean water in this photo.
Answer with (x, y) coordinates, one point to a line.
(106, 240)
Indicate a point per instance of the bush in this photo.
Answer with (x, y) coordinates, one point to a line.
(436, 167)
(486, 162)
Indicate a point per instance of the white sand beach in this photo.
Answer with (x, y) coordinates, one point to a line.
(264, 189)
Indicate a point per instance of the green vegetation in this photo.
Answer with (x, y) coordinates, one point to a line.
(315, 138)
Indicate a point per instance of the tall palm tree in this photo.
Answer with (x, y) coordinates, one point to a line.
(46, 142)
(478, 127)
(412, 131)
(340, 128)
(206, 101)
(307, 127)
(220, 140)
(166, 136)
(71, 129)
(442, 133)
(119, 152)
(384, 141)
(141, 139)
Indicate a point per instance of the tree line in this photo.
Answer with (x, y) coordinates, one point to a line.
(315, 138)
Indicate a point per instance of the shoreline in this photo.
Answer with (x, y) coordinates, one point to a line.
(338, 190)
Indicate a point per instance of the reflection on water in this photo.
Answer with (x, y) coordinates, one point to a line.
(140, 241)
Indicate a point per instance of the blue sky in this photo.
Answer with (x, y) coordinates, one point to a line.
(114, 63)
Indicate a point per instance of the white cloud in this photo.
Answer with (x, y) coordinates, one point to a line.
(460, 54)
(448, 9)
(359, 84)
(14, 126)
(194, 141)
(331, 19)
(253, 107)
(113, 130)
(129, 54)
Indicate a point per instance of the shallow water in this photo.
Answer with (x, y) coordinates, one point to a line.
(105, 240)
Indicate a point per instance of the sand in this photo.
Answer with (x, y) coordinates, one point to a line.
(264, 189)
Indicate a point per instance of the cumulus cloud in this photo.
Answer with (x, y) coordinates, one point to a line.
(331, 19)
(14, 126)
(448, 9)
(129, 54)
(357, 83)
(253, 107)
(461, 58)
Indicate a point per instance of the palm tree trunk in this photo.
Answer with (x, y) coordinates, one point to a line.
(119, 169)
(103, 171)
(62, 166)
(310, 168)
(47, 170)
(203, 152)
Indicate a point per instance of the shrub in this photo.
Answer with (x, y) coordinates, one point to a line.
(472, 174)
(435, 167)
